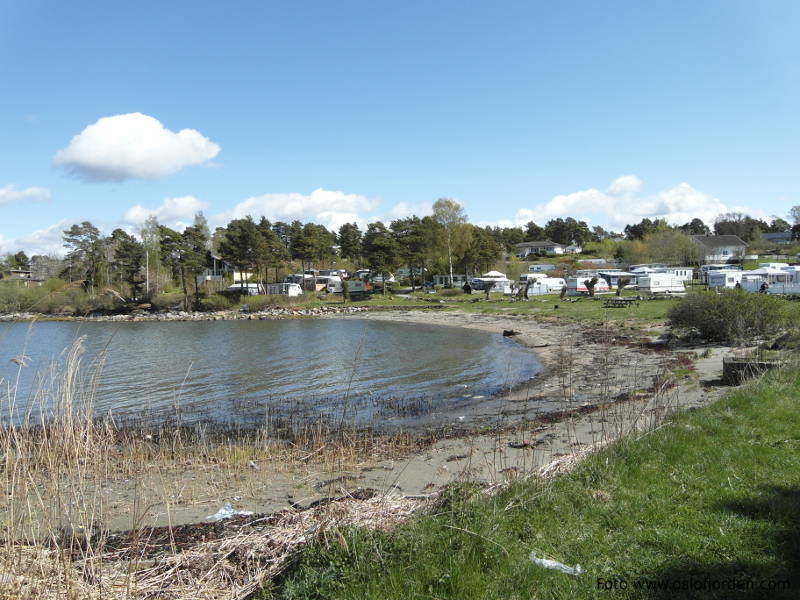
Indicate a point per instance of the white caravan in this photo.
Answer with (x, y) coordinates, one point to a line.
(284, 289)
(576, 286)
(661, 284)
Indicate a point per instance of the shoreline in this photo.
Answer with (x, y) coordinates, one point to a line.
(594, 388)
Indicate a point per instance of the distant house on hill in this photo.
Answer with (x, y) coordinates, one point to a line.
(216, 270)
(719, 248)
(539, 248)
(782, 237)
(22, 277)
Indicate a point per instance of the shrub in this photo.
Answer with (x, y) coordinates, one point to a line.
(733, 316)
(215, 302)
(167, 300)
(257, 303)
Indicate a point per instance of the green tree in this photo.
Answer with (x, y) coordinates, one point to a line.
(305, 247)
(482, 251)
(241, 245)
(201, 223)
(271, 250)
(186, 253)
(508, 237)
(778, 225)
(644, 228)
(414, 243)
(533, 233)
(85, 254)
(671, 246)
(794, 215)
(21, 261)
(195, 258)
(695, 227)
(349, 240)
(567, 231)
(381, 250)
(450, 215)
(744, 226)
(129, 256)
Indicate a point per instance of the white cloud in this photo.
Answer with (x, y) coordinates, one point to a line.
(325, 207)
(133, 146)
(627, 184)
(175, 212)
(622, 204)
(402, 210)
(11, 194)
(42, 241)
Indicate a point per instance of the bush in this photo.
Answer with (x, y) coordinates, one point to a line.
(732, 316)
(54, 297)
(215, 302)
(257, 303)
(167, 301)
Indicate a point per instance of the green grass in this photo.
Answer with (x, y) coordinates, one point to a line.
(583, 309)
(714, 496)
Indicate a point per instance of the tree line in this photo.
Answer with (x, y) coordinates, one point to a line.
(444, 242)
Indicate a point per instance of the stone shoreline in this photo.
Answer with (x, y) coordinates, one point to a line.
(222, 315)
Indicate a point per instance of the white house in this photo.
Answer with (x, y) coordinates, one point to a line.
(719, 248)
(539, 248)
(216, 270)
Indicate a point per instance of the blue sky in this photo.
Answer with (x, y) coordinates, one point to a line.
(334, 111)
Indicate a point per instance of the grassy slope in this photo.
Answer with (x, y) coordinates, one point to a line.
(716, 494)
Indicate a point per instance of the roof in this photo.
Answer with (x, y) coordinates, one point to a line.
(779, 236)
(718, 241)
(538, 243)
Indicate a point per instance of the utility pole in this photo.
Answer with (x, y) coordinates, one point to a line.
(147, 271)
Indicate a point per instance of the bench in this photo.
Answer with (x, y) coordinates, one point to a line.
(620, 302)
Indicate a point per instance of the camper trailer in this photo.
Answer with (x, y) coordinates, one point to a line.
(724, 278)
(284, 289)
(654, 284)
(705, 270)
(576, 286)
(251, 289)
(681, 273)
(539, 285)
(614, 276)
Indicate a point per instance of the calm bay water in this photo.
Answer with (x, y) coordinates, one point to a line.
(240, 372)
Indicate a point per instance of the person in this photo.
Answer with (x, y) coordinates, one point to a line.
(764, 287)
(467, 288)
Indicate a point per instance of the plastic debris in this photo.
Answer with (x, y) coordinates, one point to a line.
(227, 512)
(555, 565)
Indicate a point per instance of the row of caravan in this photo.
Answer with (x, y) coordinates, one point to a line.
(770, 278)
(650, 284)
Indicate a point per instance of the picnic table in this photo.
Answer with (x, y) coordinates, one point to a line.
(620, 302)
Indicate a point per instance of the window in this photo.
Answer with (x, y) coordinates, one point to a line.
(724, 252)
